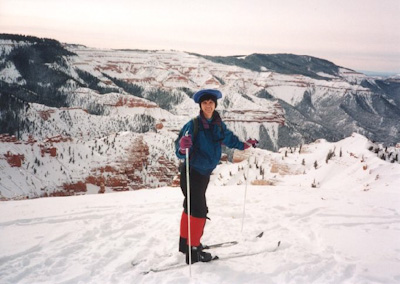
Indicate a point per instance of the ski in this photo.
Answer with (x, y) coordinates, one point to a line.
(213, 246)
(216, 258)
(220, 245)
(237, 255)
(227, 244)
(205, 247)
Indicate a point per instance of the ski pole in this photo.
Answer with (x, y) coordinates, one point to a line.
(247, 181)
(245, 193)
(188, 209)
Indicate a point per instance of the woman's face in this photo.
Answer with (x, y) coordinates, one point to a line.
(208, 107)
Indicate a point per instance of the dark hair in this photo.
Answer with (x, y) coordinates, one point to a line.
(207, 97)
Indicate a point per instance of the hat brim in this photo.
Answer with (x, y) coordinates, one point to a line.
(197, 96)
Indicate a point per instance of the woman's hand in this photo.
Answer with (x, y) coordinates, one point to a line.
(250, 143)
(185, 143)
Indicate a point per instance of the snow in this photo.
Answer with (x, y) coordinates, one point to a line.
(39, 173)
(11, 75)
(291, 94)
(344, 231)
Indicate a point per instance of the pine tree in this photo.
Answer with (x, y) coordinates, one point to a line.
(314, 184)
(330, 155)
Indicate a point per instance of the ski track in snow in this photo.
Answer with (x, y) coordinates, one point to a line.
(327, 237)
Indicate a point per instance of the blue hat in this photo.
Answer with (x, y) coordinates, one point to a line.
(197, 96)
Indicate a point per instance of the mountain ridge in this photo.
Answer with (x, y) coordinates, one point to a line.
(86, 94)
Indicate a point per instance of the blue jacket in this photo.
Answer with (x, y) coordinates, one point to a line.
(205, 153)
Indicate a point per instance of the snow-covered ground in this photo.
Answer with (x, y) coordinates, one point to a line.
(345, 230)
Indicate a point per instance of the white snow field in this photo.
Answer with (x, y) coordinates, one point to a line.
(345, 230)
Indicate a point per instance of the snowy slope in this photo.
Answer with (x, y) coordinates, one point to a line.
(345, 230)
(80, 166)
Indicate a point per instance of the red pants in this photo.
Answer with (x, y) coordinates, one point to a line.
(196, 229)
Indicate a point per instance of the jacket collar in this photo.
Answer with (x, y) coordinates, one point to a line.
(215, 120)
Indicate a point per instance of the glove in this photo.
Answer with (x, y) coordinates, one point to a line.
(185, 143)
(250, 143)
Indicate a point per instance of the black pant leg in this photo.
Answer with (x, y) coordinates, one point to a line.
(198, 187)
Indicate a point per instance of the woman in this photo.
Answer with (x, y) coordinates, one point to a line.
(203, 136)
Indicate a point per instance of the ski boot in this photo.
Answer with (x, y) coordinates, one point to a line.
(183, 247)
(198, 255)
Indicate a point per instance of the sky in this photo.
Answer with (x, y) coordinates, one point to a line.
(357, 34)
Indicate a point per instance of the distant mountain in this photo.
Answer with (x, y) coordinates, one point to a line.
(289, 64)
(379, 74)
(126, 107)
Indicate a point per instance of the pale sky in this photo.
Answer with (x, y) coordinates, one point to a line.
(357, 34)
